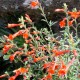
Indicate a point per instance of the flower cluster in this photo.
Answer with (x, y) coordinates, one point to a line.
(71, 17)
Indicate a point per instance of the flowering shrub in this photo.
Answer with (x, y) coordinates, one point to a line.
(41, 56)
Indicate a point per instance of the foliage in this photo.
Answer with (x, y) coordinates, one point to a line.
(39, 55)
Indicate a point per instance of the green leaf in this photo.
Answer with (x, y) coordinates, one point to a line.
(6, 57)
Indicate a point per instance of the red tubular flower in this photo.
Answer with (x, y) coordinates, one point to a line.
(11, 58)
(62, 23)
(6, 48)
(51, 70)
(33, 4)
(64, 68)
(70, 22)
(10, 36)
(28, 18)
(62, 71)
(37, 59)
(51, 67)
(25, 35)
(49, 76)
(13, 25)
(59, 10)
(46, 65)
(75, 53)
(20, 32)
(74, 15)
(61, 52)
(30, 52)
(23, 70)
(13, 55)
(2, 76)
(12, 78)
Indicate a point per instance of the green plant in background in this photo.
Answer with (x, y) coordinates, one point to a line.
(37, 54)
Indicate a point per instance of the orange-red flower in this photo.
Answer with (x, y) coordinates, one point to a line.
(37, 59)
(2, 76)
(59, 52)
(51, 70)
(10, 36)
(64, 68)
(25, 35)
(33, 4)
(12, 57)
(46, 65)
(13, 25)
(23, 70)
(62, 72)
(12, 78)
(49, 76)
(74, 14)
(30, 52)
(19, 33)
(62, 23)
(51, 67)
(70, 22)
(6, 48)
